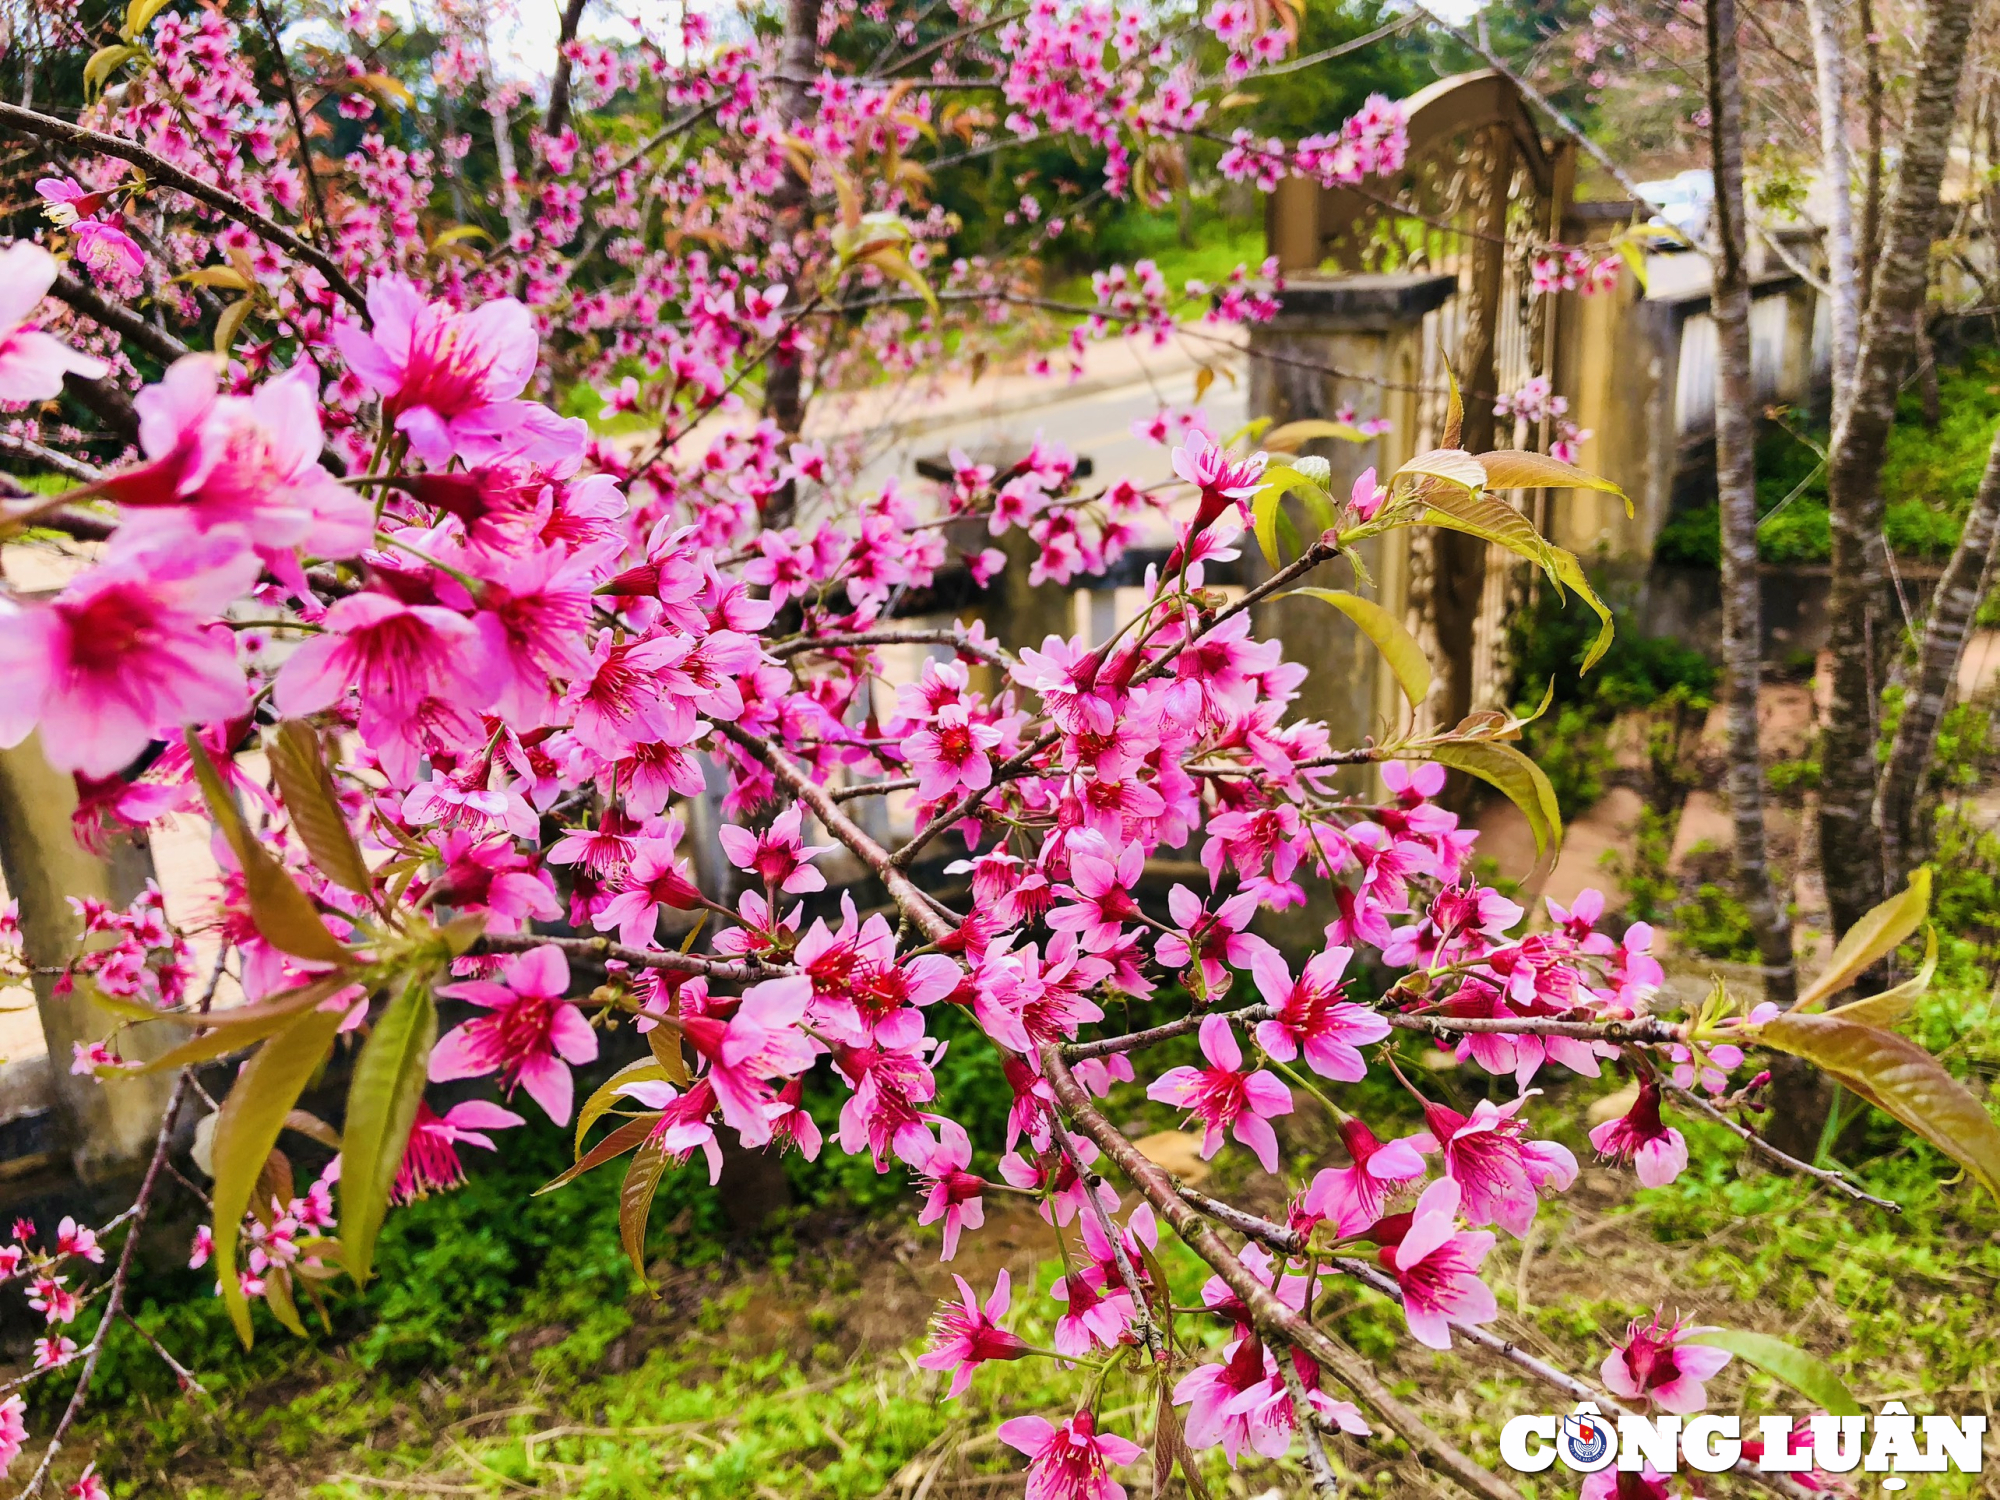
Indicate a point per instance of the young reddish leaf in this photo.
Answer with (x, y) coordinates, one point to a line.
(306, 787)
(665, 1040)
(635, 1202)
(382, 1100)
(246, 1130)
(621, 1140)
(605, 1097)
(1453, 466)
(1805, 1373)
(1891, 1005)
(1488, 519)
(1514, 469)
(1875, 936)
(1898, 1077)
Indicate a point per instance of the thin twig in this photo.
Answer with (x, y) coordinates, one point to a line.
(1771, 1153)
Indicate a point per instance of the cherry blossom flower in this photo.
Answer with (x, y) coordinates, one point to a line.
(952, 753)
(1224, 483)
(1657, 1365)
(760, 1040)
(530, 1035)
(1270, 1415)
(49, 1296)
(1209, 1392)
(1311, 1015)
(13, 1430)
(1488, 1155)
(1648, 1483)
(430, 1159)
(779, 855)
(450, 380)
(1223, 1097)
(964, 1336)
(54, 1351)
(1353, 1197)
(79, 1240)
(202, 1248)
(33, 363)
(1656, 1150)
(652, 882)
(1070, 1462)
(394, 654)
(1217, 938)
(89, 1485)
(1437, 1266)
(125, 653)
(1091, 1318)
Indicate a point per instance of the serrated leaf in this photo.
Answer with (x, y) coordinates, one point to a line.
(1805, 1373)
(1874, 937)
(1892, 1005)
(1489, 519)
(1514, 469)
(1512, 773)
(305, 786)
(283, 913)
(605, 1097)
(229, 325)
(635, 1202)
(616, 1144)
(1898, 1077)
(1295, 435)
(1452, 466)
(1398, 647)
(382, 1100)
(247, 1129)
(104, 62)
(1562, 565)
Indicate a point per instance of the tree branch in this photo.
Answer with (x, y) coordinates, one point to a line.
(117, 317)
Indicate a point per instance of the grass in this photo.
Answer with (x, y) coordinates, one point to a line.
(511, 1355)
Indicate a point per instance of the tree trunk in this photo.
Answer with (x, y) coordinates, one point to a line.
(1871, 102)
(1952, 608)
(1736, 488)
(1861, 629)
(784, 383)
(1837, 166)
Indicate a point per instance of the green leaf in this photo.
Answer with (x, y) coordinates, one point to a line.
(1899, 1078)
(1568, 573)
(1281, 480)
(1504, 767)
(1514, 469)
(621, 1140)
(247, 1129)
(893, 263)
(1452, 465)
(1454, 411)
(605, 1097)
(1805, 1373)
(229, 325)
(1891, 1005)
(278, 1297)
(139, 15)
(230, 1030)
(382, 1100)
(1874, 937)
(635, 1202)
(104, 62)
(665, 1040)
(1294, 435)
(283, 913)
(1398, 647)
(306, 788)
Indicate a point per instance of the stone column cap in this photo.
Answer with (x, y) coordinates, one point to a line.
(1362, 302)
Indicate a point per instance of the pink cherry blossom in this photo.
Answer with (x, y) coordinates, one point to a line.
(1216, 937)
(430, 1159)
(1656, 1151)
(1209, 1392)
(1070, 1462)
(1499, 1169)
(655, 880)
(530, 1035)
(79, 1240)
(396, 655)
(13, 1429)
(1437, 1266)
(1311, 1015)
(1353, 1197)
(33, 363)
(761, 1040)
(965, 1336)
(450, 380)
(1223, 1097)
(1658, 1366)
(778, 855)
(952, 753)
(125, 653)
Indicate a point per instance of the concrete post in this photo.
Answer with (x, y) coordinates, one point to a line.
(1345, 341)
(108, 1128)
